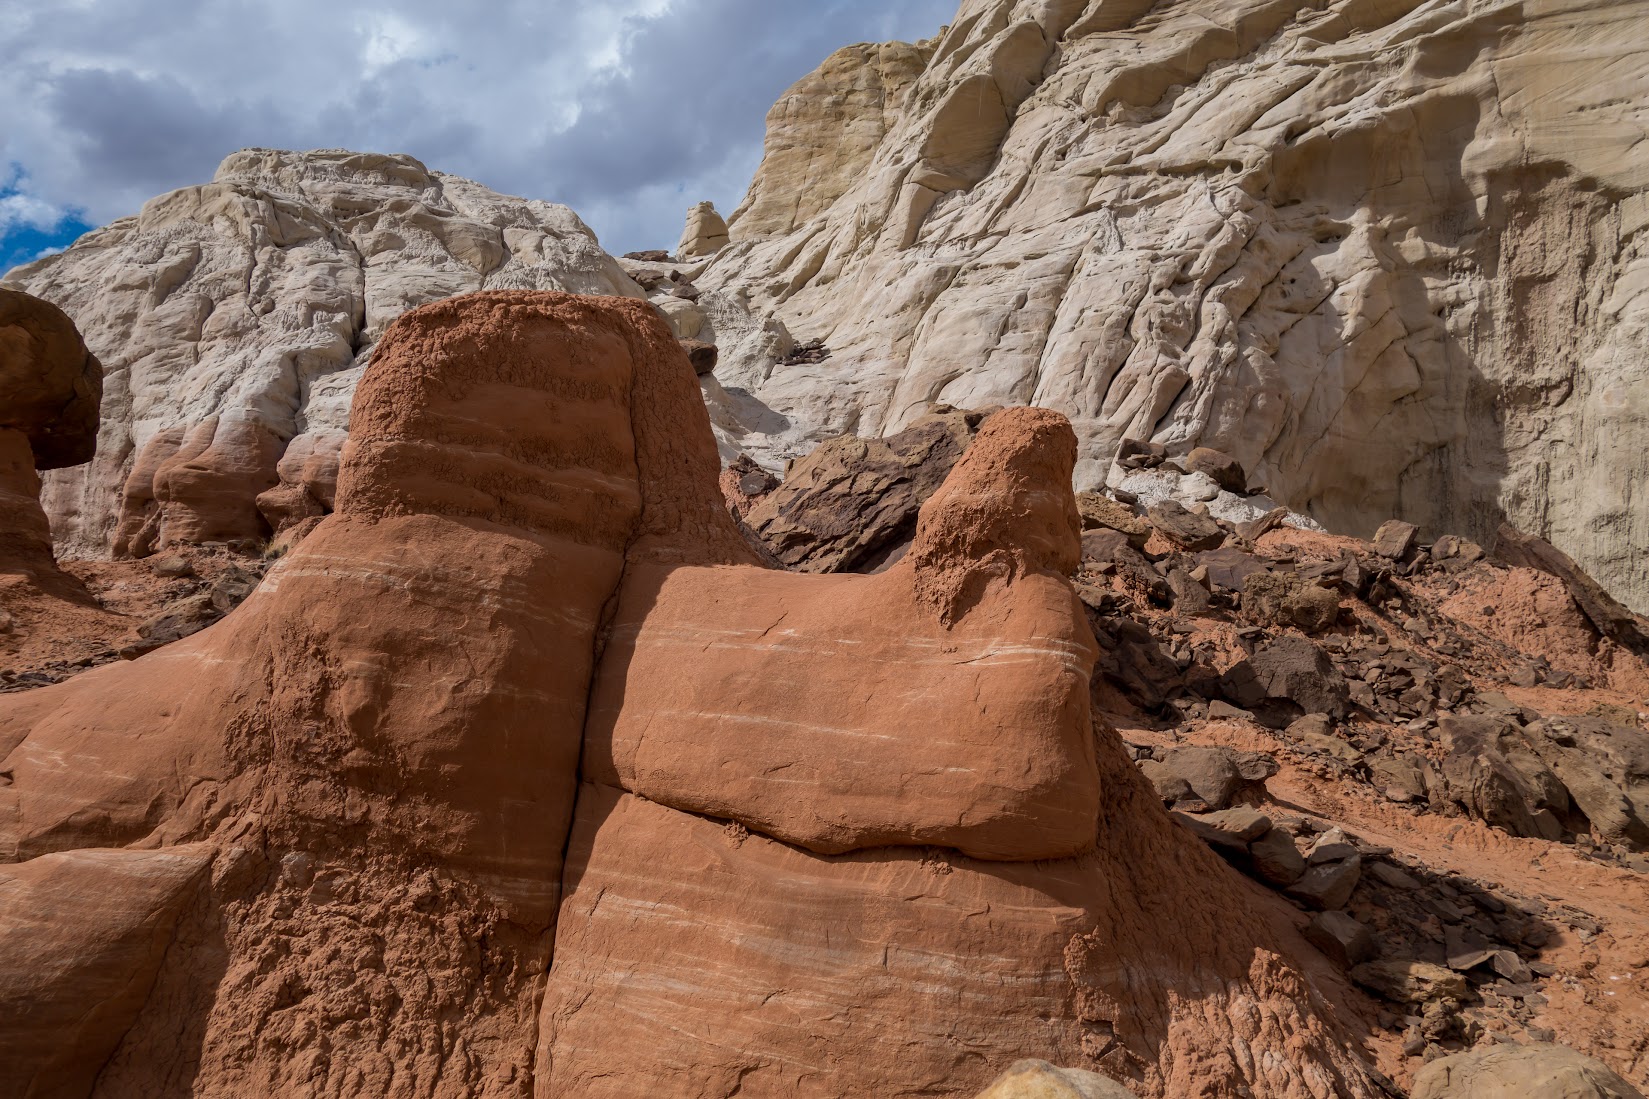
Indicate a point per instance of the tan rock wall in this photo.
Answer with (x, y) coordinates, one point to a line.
(824, 131)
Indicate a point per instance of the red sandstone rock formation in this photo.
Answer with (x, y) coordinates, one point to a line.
(49, 390)
(326, 835)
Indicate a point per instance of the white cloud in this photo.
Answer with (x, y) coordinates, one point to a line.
(22, 211)
(627, 109)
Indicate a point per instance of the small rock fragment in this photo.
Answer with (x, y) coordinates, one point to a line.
(1395, 539)
(1344, 939)
(1327, 885)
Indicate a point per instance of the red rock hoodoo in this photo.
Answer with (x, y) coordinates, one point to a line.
(49, 390)
(520, 777)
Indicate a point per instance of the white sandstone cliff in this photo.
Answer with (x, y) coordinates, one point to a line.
(1390, 254)
(234, 318)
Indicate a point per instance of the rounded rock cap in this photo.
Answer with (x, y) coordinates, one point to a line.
(50, 385)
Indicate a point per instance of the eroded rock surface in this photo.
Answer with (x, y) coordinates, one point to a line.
(1386, 257)
(379, 748)
(346, 805)
(234, 319)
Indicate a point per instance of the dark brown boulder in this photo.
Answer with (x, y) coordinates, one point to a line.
(846, 505)
(1289, 676)
(1281, 599)
(702, 355)
(1186, 529)
(1225, 470)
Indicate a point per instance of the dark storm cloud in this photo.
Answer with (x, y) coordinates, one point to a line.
(628, 110)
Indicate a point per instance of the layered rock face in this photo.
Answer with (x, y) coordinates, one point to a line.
(336, 840)
(369, 768)
(1388, 256)
(234, 320)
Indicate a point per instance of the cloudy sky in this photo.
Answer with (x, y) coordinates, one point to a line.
(627, 110)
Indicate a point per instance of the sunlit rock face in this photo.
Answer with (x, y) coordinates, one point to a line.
(525, 706)
(1388, 255)
(234, 320)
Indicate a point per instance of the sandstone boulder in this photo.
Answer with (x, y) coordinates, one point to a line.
(1276, 859)
(1559, 775)
(1225, 470)
(1040, 1080)
(1101, 511)
(1493, 774)
(1540, 1071)
(1395, 539)
(1206, 778)
(1286, 676)
(702, 355)
(844, 506)
(1184, 528)
(1404, 981)
(1281, 599)
(1341, 937)
(1327, 885)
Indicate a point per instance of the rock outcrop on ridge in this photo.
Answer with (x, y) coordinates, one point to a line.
(1389, 256)
(825, 131)
(705, 233)
(234, 319)
(336, 840)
